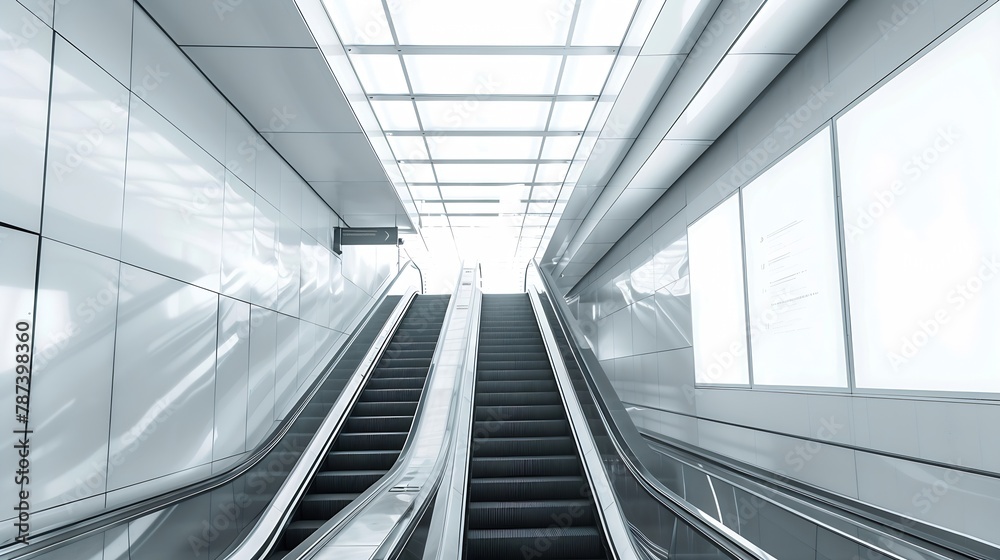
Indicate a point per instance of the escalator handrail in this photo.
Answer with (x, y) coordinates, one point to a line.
(326, 535)
(721, 536)
(61, 536)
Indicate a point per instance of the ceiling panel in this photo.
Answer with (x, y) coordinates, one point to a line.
(260, 23)
(298, 95)
(330, 157)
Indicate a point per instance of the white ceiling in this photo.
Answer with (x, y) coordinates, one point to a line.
(262, 57)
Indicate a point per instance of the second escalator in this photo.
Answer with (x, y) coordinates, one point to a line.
(377, 426)
(528, 496)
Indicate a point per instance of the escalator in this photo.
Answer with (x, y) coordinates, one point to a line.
(377, 426)
(528, 496)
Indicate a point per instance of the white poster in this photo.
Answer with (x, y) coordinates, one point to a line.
(718, 309)
(793, 271)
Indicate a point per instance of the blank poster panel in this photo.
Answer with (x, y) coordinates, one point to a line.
(717, 297)
(919, 167)
(793, 271)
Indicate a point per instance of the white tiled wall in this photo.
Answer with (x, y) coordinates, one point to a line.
(186, 289)
(635, 309)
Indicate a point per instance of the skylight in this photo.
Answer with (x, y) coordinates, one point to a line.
(484, 105)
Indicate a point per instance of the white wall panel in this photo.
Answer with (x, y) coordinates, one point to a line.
(238, 265)
(265, 257)
(292, 187)
(73, 363)
(286, 364)
(102, 29)
(232, 378)
(173, 202)
(164, 383)
(289, 246)
(85, 176)
(25, 56)
(242, 148)
(268, 173)
(263, 344)
(165, 79)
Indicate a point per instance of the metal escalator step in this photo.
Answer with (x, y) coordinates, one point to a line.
(513, 353)
(406, 362)
(515, 375)
(520, 428)
(390, 395)
(569, 542)
(324, 505)
(378, 423)
(522, 446)
(421, 354)
(528, 345)
(360, 460)
(517, 386)
(523, 515)
(529, 412)
(512, 364)
(370, 441)
(382, 371)
(340, 482)
(552, 465)
(396, 383)
(387, 408)
(298, 531)
(495, 399)
(510, 489)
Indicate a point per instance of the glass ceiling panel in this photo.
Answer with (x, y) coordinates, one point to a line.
(560, 147)
(420, 192)
(359, 22)
(380, 73)
(408, 147)
(603, 22)
(425, 207)
(484, 173)
(417, 172)
(571, 115)
(473, 207)
(585, 75)
(396, 115)
(484, 147)
(483, 115)
(484, 22)
(483, 74)
(551, 172)
(503, 193)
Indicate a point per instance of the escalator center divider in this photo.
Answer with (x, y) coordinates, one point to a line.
(377, 426)
(528, 495)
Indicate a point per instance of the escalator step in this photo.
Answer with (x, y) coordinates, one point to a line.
(570, 542)
(523, 515)
(360, 460)
(339, 482)
(515, 375)
(298, 531)
(421, 354)
(383, 372)
(553, 465)
(517, 386)
(523, 446)
(500, 399)
(408, 362)
(519, 355)
(396, 383)
(384, 409)
(378, 423)
(528, 488)
(390, 395)
(513, 364)
(520, 428)
(324, 506)
(370, 441)
(531, 412)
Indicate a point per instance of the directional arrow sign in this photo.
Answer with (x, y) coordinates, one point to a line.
(365, 236)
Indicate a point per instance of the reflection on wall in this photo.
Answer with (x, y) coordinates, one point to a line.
(187, 290)
(919, 172)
